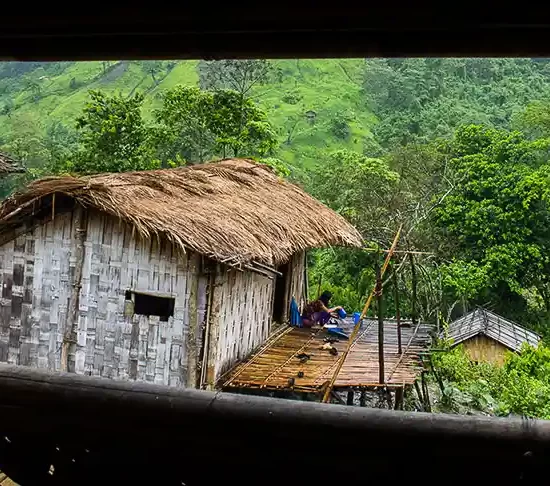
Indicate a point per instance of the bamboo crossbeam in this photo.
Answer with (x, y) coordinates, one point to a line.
(404, 252)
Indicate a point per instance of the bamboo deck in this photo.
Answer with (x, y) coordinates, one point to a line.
(275, 366)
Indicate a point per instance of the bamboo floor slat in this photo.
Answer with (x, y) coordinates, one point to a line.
(276, 365)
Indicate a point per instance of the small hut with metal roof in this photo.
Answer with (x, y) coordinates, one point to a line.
(168, 276)
(486, 336)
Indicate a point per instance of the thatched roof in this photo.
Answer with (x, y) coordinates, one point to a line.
(234, 211)
(8, 165)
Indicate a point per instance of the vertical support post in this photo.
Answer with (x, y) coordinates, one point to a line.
(381, 373)
(204, 356)
(363, 398)
(214, 329)
(193, 335)
(397, 311)
(420, 395)
(319, 287)
(427, 404)
(399, 394)
(306, 282)
(414, 288)
(71, 322)
(350, 397)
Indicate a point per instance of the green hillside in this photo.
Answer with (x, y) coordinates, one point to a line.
(35, 96)
(453, 151)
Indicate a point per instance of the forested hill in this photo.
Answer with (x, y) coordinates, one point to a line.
(42, 100)
(454, 151)
(315, 106)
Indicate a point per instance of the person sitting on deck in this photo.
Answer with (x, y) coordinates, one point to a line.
(318, 312)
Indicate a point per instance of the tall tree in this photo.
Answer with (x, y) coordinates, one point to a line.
(113, 136)
(234, 74)
(495, 226)
(196, 125)
(153, 68)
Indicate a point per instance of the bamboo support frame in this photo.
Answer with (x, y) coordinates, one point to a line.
(414, 289)
(397, 311)
(379, 301)
(353, 336)
(403, 354)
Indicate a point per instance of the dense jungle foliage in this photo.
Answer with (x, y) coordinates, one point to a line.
(455, 150)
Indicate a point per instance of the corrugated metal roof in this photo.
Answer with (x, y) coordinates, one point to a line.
(482, 321)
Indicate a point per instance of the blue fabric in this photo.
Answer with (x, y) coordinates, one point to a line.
(295, 318)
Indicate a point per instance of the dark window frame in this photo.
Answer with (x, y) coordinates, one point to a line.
(150, 304)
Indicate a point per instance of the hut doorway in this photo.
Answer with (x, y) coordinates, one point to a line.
(280, 299)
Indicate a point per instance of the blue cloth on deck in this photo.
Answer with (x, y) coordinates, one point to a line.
(295, 317)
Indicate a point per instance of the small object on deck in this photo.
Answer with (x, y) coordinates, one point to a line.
(300, 374)
(356, 317)
(342, 313)
(330, 326)
(291, 382)
(327, 346)
(333, 351)
(303, 357)
(338, 331)
(331, 340)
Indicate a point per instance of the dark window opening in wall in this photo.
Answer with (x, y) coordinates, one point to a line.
(280, 301)
(152, 305)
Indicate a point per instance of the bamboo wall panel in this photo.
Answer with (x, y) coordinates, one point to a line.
(297, 285)
(483, 349)
(138, 347)
(37, 271)
(242, 309)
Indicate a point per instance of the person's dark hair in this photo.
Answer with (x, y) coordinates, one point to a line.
(325, 297)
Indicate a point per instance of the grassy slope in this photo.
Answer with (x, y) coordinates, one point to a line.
(330, 88)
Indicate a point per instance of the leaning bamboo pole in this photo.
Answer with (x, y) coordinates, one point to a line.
(326, 396)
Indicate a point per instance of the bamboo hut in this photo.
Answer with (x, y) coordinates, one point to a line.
(168, 276)
(486, 336)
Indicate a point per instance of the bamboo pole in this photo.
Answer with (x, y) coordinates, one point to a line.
(326, 396)
(420, 396)
(405, 252)
(397, 311)
(379, 301)
(71, 323)
(399, 394)
(306, 283)
(427, 404)
(414, 288)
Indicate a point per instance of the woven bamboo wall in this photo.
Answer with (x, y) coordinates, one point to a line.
(297, 266)
(483, 349)
(37, 271)
(240, 319)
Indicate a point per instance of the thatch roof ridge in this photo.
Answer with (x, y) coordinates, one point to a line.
(235, 211)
